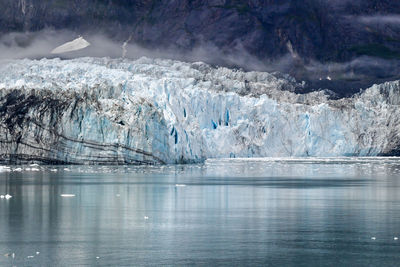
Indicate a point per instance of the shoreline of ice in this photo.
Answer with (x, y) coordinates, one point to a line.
(308, 159)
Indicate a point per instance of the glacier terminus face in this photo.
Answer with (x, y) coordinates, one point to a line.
(119, 111)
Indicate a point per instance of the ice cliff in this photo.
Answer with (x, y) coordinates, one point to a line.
(99, 110)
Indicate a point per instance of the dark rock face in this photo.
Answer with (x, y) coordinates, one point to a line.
(294, 34)
(35, 126)
(316, 29)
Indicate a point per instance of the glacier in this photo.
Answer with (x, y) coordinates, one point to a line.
(160, 111)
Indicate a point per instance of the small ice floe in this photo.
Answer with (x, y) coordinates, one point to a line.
(32, 169)
(373, 238)
(5, 169)
(7, 196)
(328, 78)
(37, 252)
(97, 257)
(30, 257)
(395, 238)
(117, 195)
(17, 170)
(146, 217)
(180, 185)
(34, 165)
(67, 195)
(66, 169)
(53, 170)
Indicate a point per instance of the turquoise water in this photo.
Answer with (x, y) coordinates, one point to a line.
(314, 212)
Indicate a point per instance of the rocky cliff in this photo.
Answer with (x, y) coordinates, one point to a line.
(288, 36)
(313, 29)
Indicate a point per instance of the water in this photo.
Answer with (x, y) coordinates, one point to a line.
(224, 212)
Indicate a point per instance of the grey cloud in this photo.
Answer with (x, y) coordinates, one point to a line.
(40, 44)
(379, 19)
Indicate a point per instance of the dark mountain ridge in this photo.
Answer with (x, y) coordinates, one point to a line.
(296, 37)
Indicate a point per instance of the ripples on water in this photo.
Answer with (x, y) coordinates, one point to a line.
(279, 212)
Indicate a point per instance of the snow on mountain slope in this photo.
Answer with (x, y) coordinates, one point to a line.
(99, 110)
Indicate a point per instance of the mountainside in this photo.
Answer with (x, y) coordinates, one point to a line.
(313, 29)
(301, 37)
(99, 110)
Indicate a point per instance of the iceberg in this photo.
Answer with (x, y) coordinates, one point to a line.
(159, 111)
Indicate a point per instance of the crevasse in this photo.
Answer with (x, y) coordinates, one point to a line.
(100, 110)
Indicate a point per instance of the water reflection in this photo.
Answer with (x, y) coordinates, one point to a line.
(230, 212)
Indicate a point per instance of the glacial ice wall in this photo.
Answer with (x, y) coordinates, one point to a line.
(99, 110)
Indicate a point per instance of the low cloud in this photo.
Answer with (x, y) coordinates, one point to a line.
(40, 44)
(379, 19)
(35, 45)
(358, 68)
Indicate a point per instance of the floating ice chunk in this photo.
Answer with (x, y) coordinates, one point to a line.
(4, 169)
(18, 170)
(30, 257)
(1, 196)
(77, 44)
(37, 252)
(7, 196)
(117, 195)
(32, 169)
(180, 185)
(373, 238)
(97, 257)
(146, 217)
(34, 165)
(395, 238)
(67, 195)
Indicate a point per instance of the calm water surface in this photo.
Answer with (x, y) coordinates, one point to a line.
(315, 212)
